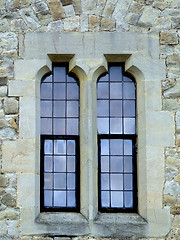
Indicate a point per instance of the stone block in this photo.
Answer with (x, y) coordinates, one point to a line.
(66, 2)
(19, 155)
(21, 88)
(94, 22)
(173, 92)
(3, 91)
(107, 24)
(171, 105)
(3, 228)
(169, 200)
(11, 214)
(148, 17)
(72, 23)
(8, 200)
(55, 26)
(56, 9)
(11, 106)
(3, 180)
(69, 11)
(77, 6)
(177, 120)
(172, 188)
(170, 38)
(8, 133)
(30, 18)
(3, 81)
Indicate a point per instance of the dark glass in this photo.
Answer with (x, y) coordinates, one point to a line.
(116, 125)
(116, 146)
(59, 91)
(128, 197)
(59, 163)
(46, 109)
(46, 125)
(116, 164)
(128, 90)
(105, 199)
(116, 108)
(59, 108)
(105, 164)
(46, 91)
(103, 91)
(103, 125)
(129, 108)
(59, 181)
(59, 74)
(103, 108)
(47, 79)
(71, 199)
(48, 164)
(59, 126)
(115, 90)
(116, 181)
(115, 73)
(72, 91)
(129, 126)
(48, 198)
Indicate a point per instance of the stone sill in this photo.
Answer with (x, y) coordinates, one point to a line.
(105, 224)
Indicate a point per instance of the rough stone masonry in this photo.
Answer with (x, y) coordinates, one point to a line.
(18, 17)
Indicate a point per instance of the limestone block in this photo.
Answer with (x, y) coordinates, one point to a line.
(8, 200)
(30, 18)
(176, 221)
(169, 200)
(173, 61)
(69, 11)
(171, 105)
(19, 155)
(66, 2)
(11, 106)
(121, 8)
(172, 188)
(29, 116)
(177, 120)
(55, 26)
(3, 228)
(72, 23)
(94, 22)
(56, 9)
(27, 185)
(160, 5)
(8, 133)
(3, 81)
(148, 17)
(161, 129)
(109, 8)
(8, 213)
(41, 8)
(84, 23)
(21, 88)
(3, 123)
(162, 23)
(173, 92)
(3, 180)
(88, 6)
(168, 38)
(107, 24)
(3, 91)
(30, 69)
(77, 6)
(13, 228)
(166, 49)
(168, 83)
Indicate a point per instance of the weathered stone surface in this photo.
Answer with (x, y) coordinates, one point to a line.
(3, 123)
(11, 214)
(55, 26)
(3, 228)
(56, 9)
(41, 8)
(109, 8)
(69, 11)
(7, 133)
(77, 6)
(10, 106)
(168, 83)
(173, 92)
(30, 18)
(161, 4)
(171, 105)
(94, 22)
(177, 121)
(107, 24)
(169, 200)
(173, 61)
(148, 17)
(8, 200)
(3, 180)
(3, 81)
(13, 228)
(71, 23)
(3, 91)
(168, 38)
(172, 188)
(66, 2)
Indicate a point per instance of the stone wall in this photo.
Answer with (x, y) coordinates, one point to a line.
(17, 17)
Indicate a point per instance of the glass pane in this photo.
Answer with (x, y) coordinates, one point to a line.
(59, 181)
(47, 198)
(115, 108)
(128, 182)
(59, 163)
(127, 147)
(116, 125)
(103, 125)
(128, 164)
(47, 79)
(129, 126)
(59, 126)
(105, 147)
(104, 78)
(105, 199)
(128, 197)
(102, 108)
(59, 109)
(71, 199)
(60, 198)
(72, 91)
(48, 180)
(46, 126)
(116, 90)
(72, 109)
(116, 164)
(129, 108)
(48, 147)
(72, 126)
(60, 147)
(104, 181)
(48, 163)
(116, 181)
(70, 79)
(115, 73)
(46, 91)
(59, 91)
(104, 164)
(116, 146)
(71, 164)
(70, 181)
(128, 90)
(103, 90)
(46, 109)
(59, 74)
(126, 79)
(71, 147)
(117, 199)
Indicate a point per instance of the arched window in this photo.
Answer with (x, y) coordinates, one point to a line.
(116, 119)
(59, 141)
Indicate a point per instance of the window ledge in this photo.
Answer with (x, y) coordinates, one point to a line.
(70, 224)
(119, 224)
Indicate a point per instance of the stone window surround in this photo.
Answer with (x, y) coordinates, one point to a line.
(88, 58)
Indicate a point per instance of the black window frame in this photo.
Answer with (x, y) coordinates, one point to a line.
(44, 137)
(133, 138)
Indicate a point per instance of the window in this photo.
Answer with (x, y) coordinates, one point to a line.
(59, 141)
(116, 112)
